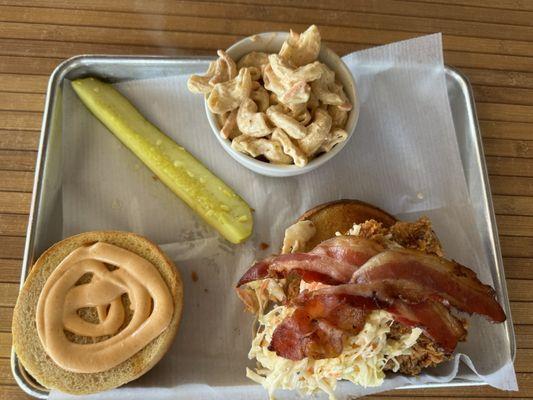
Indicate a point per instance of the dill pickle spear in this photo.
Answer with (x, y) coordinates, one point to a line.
(205, 193)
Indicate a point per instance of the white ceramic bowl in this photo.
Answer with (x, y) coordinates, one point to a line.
(270, 42)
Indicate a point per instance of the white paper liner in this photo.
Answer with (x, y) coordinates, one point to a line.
(403, 157)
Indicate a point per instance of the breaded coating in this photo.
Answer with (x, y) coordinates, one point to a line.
(413, 235)
(417, 235)
(424, 353)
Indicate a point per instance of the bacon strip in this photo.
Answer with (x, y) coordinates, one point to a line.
(347, 312)
(316, 328)
(353, 250)
(435, 320)
(300, 336)
(346, 307)
(311, 267)
(292, 337)
(332, 262)
(419, 276)
(431, 316)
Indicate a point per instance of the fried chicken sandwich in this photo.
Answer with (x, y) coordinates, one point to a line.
(355, 294)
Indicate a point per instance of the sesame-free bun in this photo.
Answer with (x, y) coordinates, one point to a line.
(26, 340)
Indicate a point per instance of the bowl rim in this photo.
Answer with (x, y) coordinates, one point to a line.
(281, 170)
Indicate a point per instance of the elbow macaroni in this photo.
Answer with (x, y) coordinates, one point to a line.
(286, 107)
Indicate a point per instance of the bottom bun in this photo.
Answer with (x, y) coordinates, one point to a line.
(340, 216)
(26, 340)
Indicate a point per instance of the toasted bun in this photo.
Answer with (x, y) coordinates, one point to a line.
(339, 216)
(26, 341)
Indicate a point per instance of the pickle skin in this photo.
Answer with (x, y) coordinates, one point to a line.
(180, 171)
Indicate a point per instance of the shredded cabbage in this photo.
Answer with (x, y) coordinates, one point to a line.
(362, 360)
(266, 291)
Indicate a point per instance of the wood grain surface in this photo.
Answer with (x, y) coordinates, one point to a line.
(491, 41)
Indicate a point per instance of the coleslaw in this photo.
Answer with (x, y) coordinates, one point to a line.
(362, 360)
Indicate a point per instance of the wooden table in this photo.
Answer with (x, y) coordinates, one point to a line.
(492, 44)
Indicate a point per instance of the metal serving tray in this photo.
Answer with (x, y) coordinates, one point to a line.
(45, 221)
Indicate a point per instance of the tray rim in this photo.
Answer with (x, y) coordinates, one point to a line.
(56, 79)
(493, 226)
